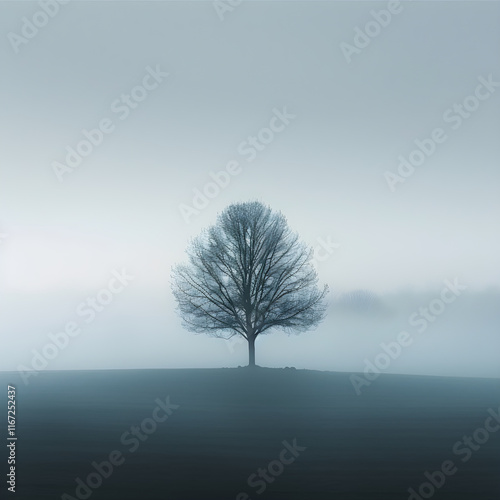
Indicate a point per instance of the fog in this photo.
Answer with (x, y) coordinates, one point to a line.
(128, 206)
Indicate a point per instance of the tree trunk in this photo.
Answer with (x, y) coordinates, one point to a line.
(251, 351)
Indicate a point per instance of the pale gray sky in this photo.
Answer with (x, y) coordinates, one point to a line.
(324, 169)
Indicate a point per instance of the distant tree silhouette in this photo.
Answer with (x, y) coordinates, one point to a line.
(246, 275)
(358, 300)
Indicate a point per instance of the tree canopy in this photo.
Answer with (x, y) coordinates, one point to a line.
(246, 275)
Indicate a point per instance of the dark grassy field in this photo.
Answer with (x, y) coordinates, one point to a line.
(231, 422)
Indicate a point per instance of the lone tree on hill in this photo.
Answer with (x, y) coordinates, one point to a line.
(246, 275)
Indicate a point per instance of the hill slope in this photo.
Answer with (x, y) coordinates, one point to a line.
(230, 423)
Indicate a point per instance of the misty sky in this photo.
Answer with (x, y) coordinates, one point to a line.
(343, 120)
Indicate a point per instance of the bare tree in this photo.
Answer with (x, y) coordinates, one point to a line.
(246, 275)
